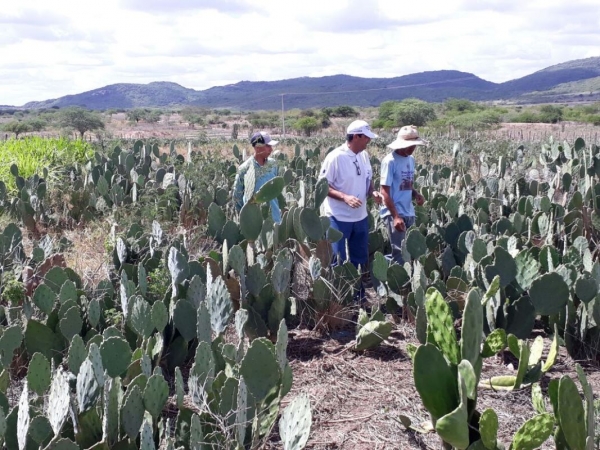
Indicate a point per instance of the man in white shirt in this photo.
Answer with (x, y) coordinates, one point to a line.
(397, 177)
(350, 177)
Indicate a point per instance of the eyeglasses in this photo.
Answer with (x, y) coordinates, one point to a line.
(357, 166)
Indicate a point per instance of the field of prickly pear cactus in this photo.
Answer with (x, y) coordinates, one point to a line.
(196, 332)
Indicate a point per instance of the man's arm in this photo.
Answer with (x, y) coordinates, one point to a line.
(419, 199)
(388, 201)
(349, 200)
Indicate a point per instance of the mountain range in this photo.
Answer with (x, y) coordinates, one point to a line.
(577, 80)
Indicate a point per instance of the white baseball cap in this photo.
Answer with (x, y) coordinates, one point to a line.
(261, 138)
(360, 127)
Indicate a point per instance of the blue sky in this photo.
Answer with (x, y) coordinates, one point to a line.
(53, 48)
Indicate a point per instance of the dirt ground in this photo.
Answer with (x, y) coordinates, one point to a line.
(356, 399)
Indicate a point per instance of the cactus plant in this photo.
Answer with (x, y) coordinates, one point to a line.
(549, 294)
(140, 318)
(38, 374)
(440, 327)
(132, 413)
(295, 423)
(116, 356)
(155, 395)
(219, 306)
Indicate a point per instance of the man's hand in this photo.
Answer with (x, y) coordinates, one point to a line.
(399, 224)
(377, 197)
(419, 199)
(352, 201)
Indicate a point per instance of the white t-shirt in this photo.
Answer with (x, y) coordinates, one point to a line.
(341, 167)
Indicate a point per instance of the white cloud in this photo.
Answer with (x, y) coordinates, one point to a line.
(53, 48)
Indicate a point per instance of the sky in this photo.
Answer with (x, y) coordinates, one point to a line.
(52, 48)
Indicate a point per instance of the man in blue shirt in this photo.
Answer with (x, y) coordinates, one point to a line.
(397, 177)
(264, 169)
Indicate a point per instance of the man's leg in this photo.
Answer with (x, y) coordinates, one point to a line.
(396, 237)
(339, 247)
(359, 252)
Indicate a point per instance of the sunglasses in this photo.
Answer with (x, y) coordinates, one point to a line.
(357, 166)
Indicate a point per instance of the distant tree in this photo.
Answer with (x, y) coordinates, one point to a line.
(152, 116)
(411, 111)
(37, 124)
(550, 114)
(459, 105)
(16, 127)
(135, 115)
(344, 111)
(80, 119)
(307, 125)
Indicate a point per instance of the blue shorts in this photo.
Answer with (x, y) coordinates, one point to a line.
(357, 235)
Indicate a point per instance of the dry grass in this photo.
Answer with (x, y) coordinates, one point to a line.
(356, 398)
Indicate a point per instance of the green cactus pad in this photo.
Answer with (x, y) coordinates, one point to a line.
(435, 381)
(70, 325)
(219, 305)
(537, 399)
(397, 278)
(140, 317)
(321, 192)
(68, 291)
(184, 319)
(40, 338)
(494, 343)
(196, 434)
(196, 291)
(549, 294)
(179, 387)
(38, 374)
(571, 414)
(586, 288)
(528, 269)
(216, 219)
(44, 298)
(504, 266)
(372, 334)
(203, 371)
(88, 388)
(488, 428)
(110, 424)
(39, 429)
(116, 356)
(55, 278)
(453, 428)
(256, 279)
(533, 433)
(260, 369)
(23, 417)
(295, 423)
(380, 267)
(146, 438)
(472, 330)
(159, 315)
(94, 312)
(311, 224)
(58, 400)
(9, 341)
(270, 190)
(132, 413)
(440, 326)
(416, 243)
(251, 221)
(156, 395)
(178, 266)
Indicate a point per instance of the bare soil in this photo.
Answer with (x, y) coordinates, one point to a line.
(356, 398)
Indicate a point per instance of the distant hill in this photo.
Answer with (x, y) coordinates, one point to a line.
(307, 92)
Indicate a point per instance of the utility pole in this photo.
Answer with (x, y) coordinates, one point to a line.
(282, 116)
